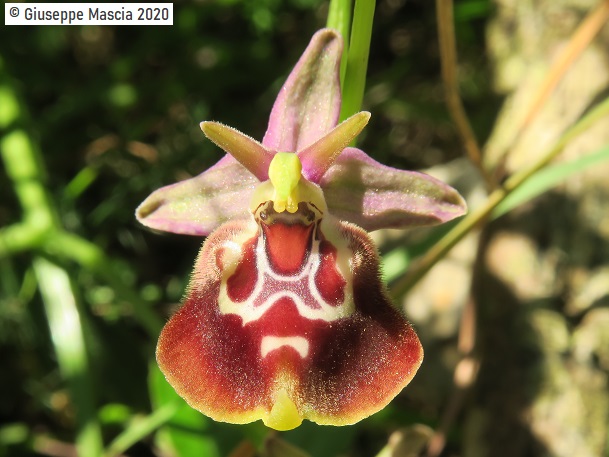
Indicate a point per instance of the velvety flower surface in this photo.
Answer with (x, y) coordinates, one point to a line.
(285, 316)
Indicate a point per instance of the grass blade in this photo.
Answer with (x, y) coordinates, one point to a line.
(68, 341)
(140, 427)
(548, 178)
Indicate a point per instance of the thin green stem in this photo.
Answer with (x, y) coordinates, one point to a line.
(141, 427)
(440, 249)
(357, 60)
(339, 18)
(20, 237)
(20, 158)
(549, 177)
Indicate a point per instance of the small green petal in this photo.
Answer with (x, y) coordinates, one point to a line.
(320, 156)
(251, 154)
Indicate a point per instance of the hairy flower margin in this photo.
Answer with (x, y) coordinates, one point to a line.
(285, 317)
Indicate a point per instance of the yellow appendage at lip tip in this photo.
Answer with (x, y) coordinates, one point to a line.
(284, 173)
(283, 415)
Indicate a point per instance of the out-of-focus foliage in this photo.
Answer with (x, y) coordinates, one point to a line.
(114, 114)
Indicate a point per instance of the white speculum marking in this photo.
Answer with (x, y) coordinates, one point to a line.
(271, 287)
(270, 343)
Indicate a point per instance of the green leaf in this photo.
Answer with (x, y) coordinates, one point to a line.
(547, 178)
(140, 427)
(67, 334)
(395, 263)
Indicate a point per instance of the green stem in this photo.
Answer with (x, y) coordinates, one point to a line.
(339, 18)
(440, 249)
(19, 237)
(357, 59)
(141, 427)
(22, 163)
(22, 166)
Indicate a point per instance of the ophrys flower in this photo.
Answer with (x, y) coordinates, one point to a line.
(285, 316)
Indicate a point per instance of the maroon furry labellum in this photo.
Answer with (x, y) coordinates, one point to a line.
(285, 319)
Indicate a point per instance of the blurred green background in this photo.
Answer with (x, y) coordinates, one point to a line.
(112, 113)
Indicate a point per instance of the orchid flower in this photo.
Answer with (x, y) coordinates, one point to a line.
(286, 317)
